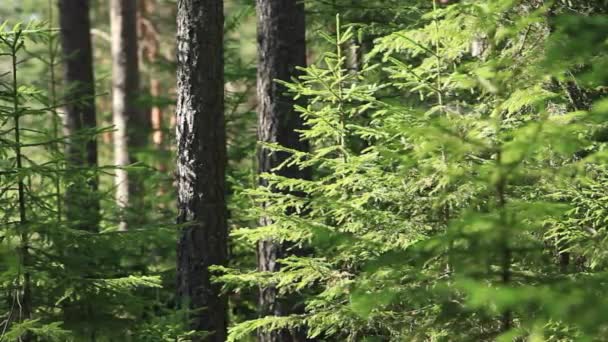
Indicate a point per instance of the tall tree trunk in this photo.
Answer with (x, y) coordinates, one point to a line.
(156, 117)
(149, 37)
(201, 163)
(128, 135)
(81, 197)
(281, 48)
(82, 203)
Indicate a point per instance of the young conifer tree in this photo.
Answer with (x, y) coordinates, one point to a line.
(63, 283)
(447, 224)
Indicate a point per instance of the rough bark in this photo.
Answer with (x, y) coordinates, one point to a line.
(281, 48)
(82, 203)
(201, 163)
(128, 135)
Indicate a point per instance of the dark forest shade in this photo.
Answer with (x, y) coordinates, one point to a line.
(281, 48)
(82, 205)
(201, 162)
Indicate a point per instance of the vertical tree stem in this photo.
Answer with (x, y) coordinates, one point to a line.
(53, 105)
(25, 301)
(342, 137)
(506, 251)
(437, 55)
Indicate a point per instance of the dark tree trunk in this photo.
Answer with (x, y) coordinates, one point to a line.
(130, 132)
(201, 162)
(281, 48)
(82, 203)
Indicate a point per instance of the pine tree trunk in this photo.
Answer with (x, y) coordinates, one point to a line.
(281, 47)
(129, 134)
(82, 203)
(201, 163)
(156, 117)
(149, 37)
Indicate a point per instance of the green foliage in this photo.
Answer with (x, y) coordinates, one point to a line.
(458, 181)
(50, 332)
(64, 280)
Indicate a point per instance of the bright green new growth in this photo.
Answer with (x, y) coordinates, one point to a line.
(459, 188)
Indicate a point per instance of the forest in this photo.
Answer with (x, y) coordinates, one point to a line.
(303, 170)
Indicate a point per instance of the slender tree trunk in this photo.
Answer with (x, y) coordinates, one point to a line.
(81, 197)
(150, 50)
(82, 203)
(201, 163)
(22, 292)
(156, 116)
(281, 48)
(128, 135)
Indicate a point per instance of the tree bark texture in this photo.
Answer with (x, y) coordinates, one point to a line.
(82, 203)
(129, 128)
(201, 163)
(281, 48)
